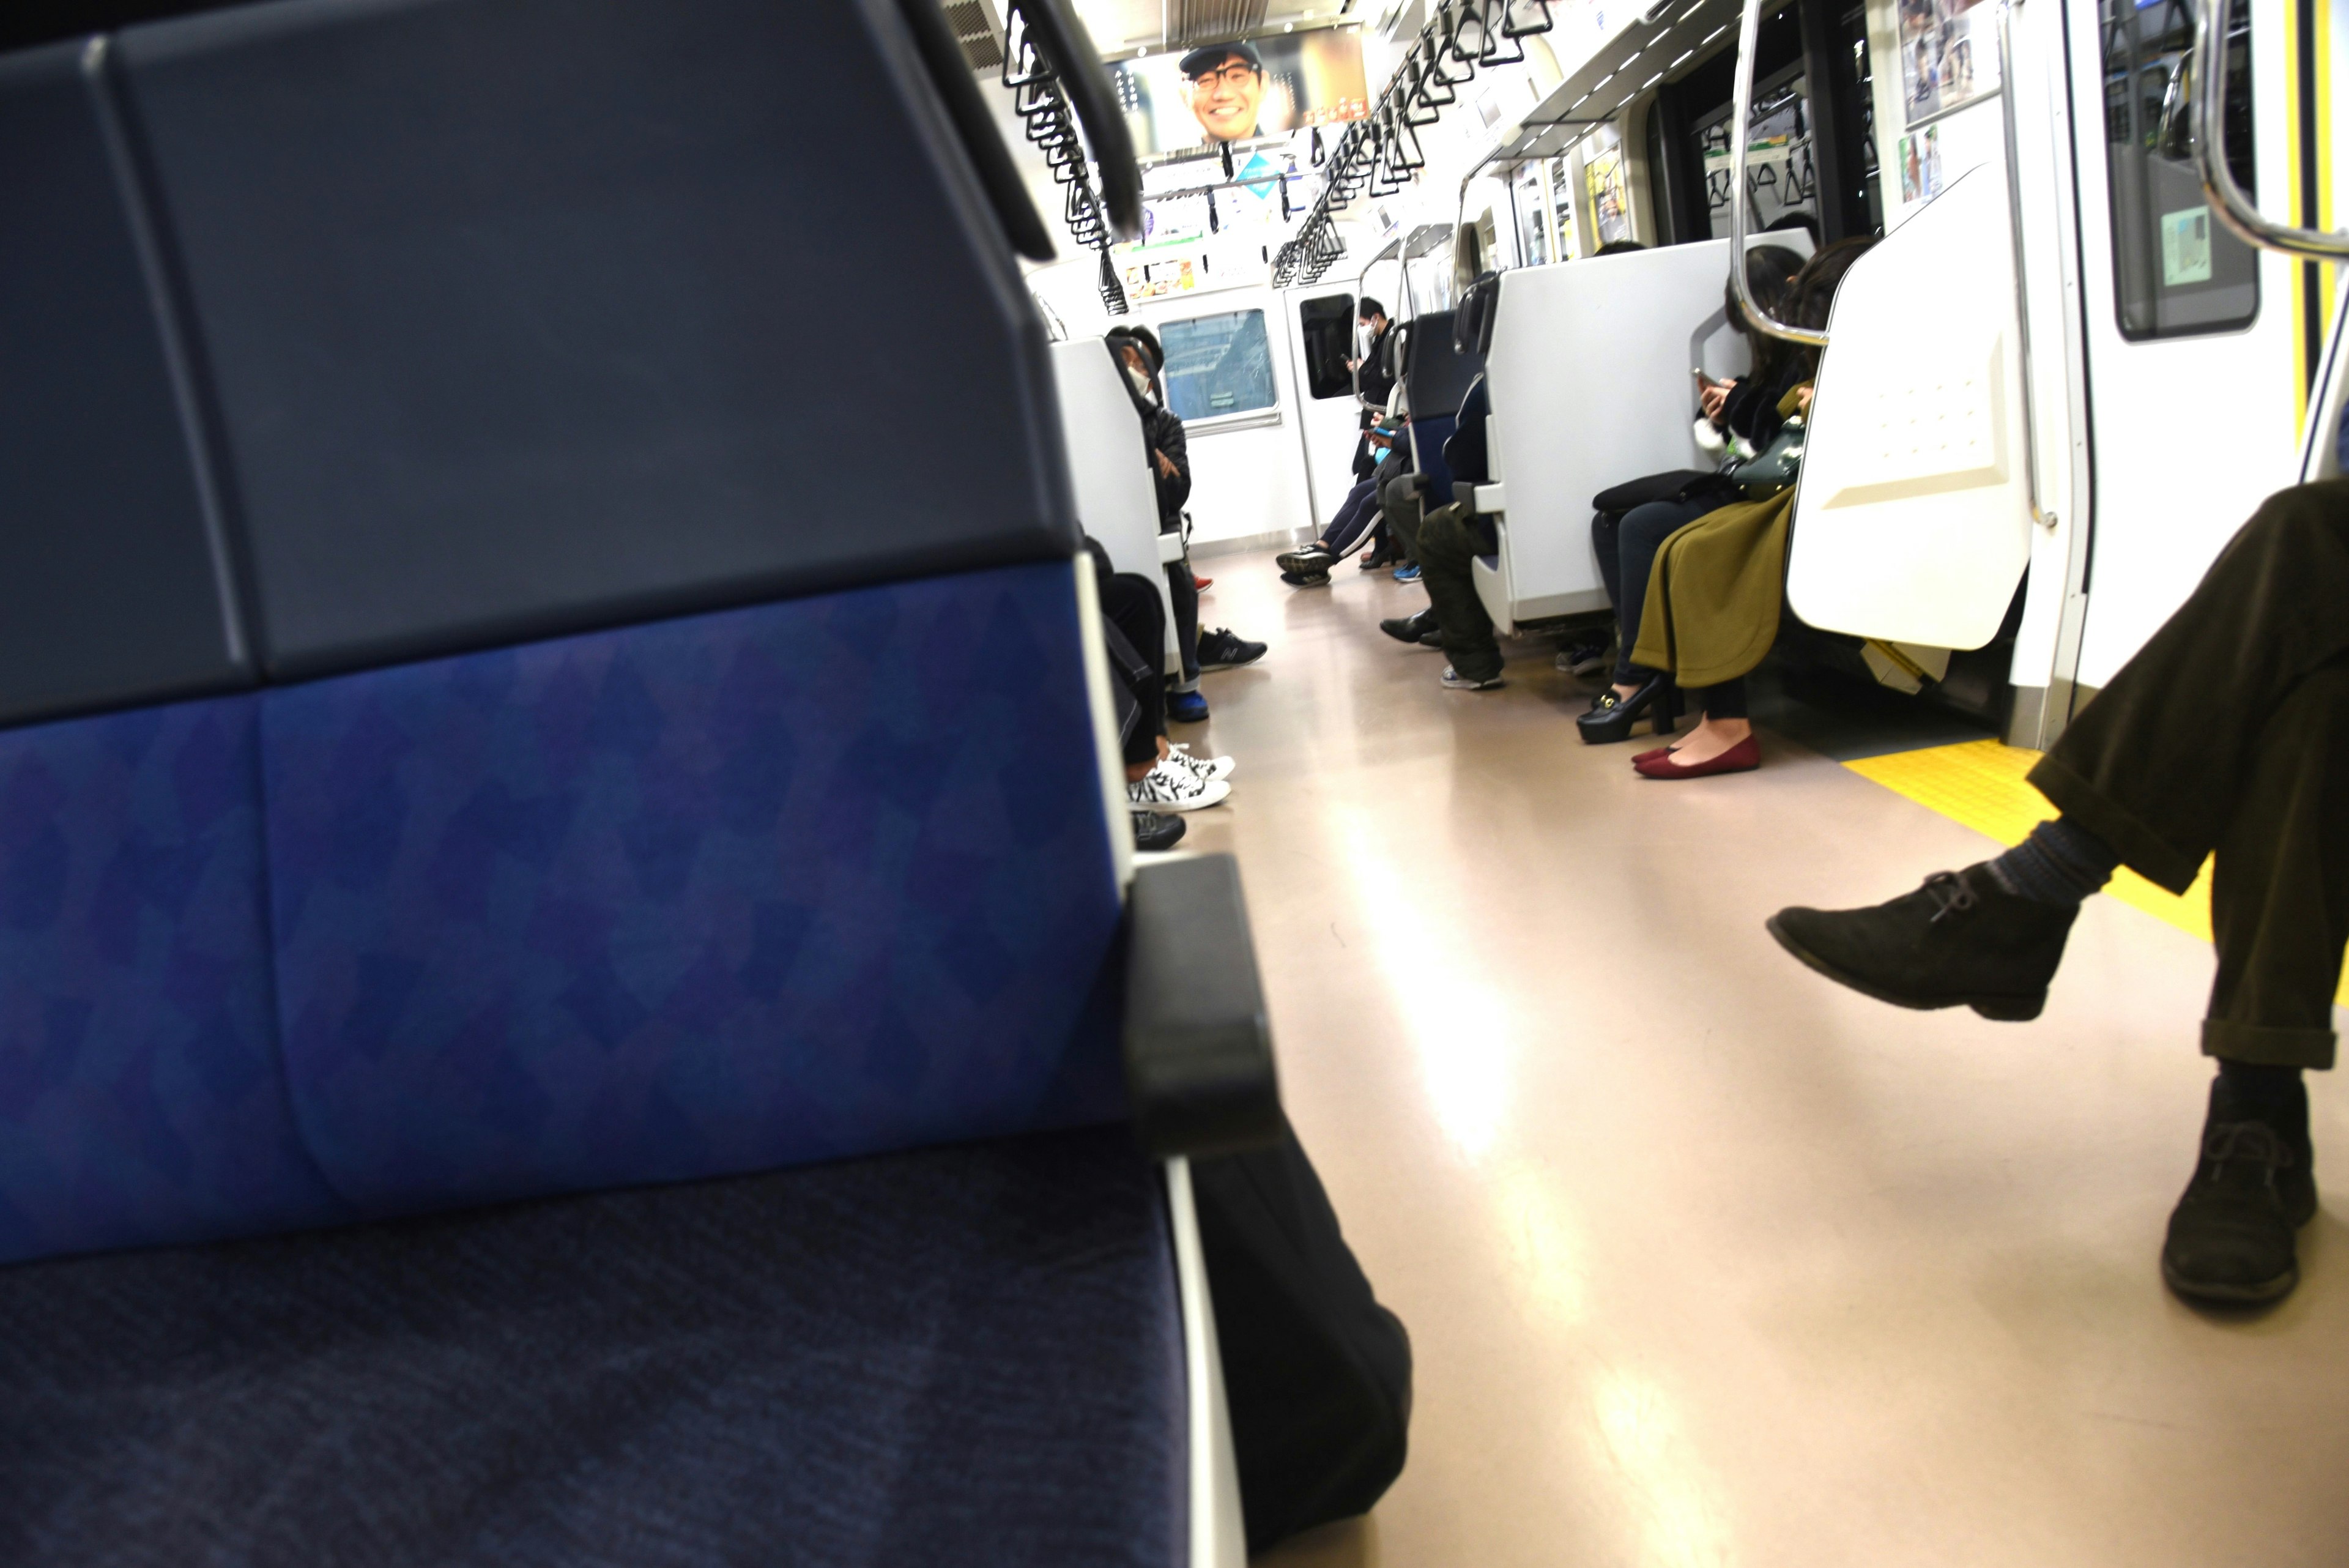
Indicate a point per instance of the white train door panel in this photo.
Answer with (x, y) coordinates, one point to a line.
(1914, 523)
(2191, 374)
(1227, 375)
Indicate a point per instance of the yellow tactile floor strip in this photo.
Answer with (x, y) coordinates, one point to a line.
(1980, 784)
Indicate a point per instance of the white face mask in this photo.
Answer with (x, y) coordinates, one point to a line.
(1141, 381)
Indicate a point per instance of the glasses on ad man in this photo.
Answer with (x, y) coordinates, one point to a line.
(1235, 74)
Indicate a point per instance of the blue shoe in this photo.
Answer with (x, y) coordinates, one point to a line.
(1407, 574)
(1186, 707)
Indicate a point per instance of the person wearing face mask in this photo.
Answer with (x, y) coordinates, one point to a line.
(1138, 351)
(1373, 377)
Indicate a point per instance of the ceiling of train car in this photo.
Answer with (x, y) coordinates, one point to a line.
(1119, 26)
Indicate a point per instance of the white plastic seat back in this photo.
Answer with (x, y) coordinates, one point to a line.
(1588, 374)
(1913, 522)
(1117, 503)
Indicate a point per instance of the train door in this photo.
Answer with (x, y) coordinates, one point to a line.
(2191, 364)
(1239, 404)
(1322, 346)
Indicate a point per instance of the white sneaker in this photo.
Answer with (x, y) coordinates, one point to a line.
(1205, 767)
(1169, 788)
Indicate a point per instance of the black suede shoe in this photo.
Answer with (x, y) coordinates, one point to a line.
(1960, 941)
(1158, 830)
(2231, 1236)
(1410, 628)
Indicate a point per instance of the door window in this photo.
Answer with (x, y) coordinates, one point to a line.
(2176, 270)
(1218, 365)
(1326, 326)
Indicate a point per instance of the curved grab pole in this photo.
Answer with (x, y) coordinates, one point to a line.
(2006, 95)
(2234, 208)
(1748, 29)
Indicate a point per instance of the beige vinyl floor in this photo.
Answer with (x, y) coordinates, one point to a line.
(1707, 1262)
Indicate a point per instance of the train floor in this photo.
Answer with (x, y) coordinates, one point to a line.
(1706, 1260)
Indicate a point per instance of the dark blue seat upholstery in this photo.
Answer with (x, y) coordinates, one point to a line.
(967, 1356)
(734, 891)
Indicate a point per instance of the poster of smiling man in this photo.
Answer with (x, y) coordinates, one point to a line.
(1241, 90)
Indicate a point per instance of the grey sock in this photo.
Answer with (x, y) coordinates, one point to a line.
(2060, 863)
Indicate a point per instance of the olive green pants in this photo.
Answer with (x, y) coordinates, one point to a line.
(2228, 734)
(1450, 540)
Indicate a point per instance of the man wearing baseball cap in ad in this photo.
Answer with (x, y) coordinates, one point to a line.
(1226, 89)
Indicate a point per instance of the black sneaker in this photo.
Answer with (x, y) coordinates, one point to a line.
(1412, 628)
(1306, 579)
(1219, 650)
(1960, 941)
(2231, 1236)
(1310, 562)
(1158, 830)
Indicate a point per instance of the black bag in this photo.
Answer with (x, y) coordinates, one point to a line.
(1316, 1373)
(1679, 484)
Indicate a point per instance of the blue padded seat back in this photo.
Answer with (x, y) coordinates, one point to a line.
(142, 1097)
(758, 887)
(524, 316)
(97, 465)
(739, 890)
(1427, 438)
(1436, 376)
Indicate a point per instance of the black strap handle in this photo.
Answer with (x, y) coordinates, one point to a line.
(959, 90)
(1078, 66)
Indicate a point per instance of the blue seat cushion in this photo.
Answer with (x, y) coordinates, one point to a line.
(967, 1356)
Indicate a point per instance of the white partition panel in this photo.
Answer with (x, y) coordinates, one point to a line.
(1914, 523)
(1117, 503)
(1588, 374)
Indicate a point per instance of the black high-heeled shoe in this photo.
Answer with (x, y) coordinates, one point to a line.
(1613, 714)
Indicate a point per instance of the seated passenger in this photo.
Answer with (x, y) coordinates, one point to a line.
(1449, 539)
(2227, 732)
(1310, 566)
(1160, 779)
(1138, 351)
(1712, 622)
(1625, 538)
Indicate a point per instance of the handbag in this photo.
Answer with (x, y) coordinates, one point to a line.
(1773, 468)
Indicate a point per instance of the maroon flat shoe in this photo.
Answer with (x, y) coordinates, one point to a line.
(1741, 758)
(1651, 756)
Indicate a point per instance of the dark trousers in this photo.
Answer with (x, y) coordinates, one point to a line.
(1450, 540)
(2229, 733)
(1318, 1373)
(1355, 513)
(1626, 543)
(1399, 505)
(1183, 590)
(1135, 630)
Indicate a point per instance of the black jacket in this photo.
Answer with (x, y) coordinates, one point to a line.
(1375, 379)
(1751, 409)
(1162, 432)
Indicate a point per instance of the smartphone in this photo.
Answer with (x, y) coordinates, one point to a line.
(1702, 379)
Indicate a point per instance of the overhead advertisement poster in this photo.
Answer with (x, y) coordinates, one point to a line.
(1233, 93)
(1949, 55)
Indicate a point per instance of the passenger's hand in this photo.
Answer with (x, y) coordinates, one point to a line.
(1803, 400)
(1166, 465)
(1353, 364)
(1713, 398)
